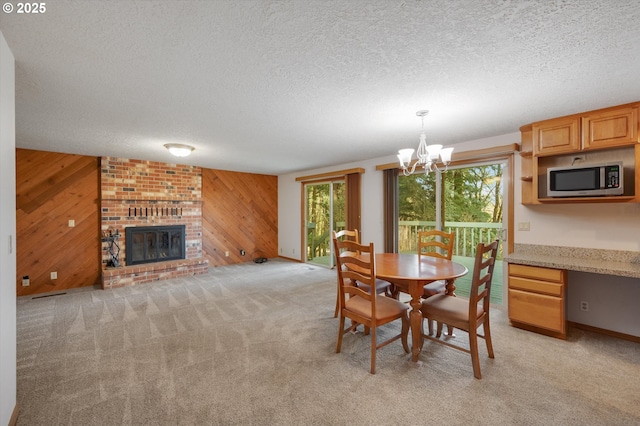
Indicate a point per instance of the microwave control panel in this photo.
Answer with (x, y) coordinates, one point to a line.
(612, 177)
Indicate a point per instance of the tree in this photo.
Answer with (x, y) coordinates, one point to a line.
(417, 194)
(471, 194)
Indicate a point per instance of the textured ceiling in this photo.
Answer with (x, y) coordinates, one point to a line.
(278, 86)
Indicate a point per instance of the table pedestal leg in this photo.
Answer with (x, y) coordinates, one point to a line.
(450, 287)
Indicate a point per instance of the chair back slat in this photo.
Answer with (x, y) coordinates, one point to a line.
(436, 243)
(348, 234)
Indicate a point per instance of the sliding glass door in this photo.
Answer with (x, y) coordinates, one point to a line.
(325, 211)
(465, 200)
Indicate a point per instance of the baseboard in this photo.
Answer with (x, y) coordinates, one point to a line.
(605, 332)
(539, 330)
(13, 421)
(289, 258)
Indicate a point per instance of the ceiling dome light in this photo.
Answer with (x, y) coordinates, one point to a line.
(179, 150)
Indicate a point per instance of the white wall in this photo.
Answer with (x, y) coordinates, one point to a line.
(7, 235)
(613, 302)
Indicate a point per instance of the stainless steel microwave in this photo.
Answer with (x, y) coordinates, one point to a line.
(586, 180)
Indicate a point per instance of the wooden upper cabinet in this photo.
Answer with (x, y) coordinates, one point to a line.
(608, 134)
(611, 128)
(556, 136)
(528, 167)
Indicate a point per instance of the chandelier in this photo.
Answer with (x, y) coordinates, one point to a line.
(428, 155)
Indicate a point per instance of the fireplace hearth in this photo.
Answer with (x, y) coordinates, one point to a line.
(149, 244)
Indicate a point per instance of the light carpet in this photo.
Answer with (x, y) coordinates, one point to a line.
(254, 344)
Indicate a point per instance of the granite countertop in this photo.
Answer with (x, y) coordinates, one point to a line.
(608, 262)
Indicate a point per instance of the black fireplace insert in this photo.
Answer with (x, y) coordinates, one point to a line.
(148, 244)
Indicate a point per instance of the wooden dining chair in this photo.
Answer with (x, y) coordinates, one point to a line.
(467, 315)
(353, 235)
(435, 243)
(357, 272)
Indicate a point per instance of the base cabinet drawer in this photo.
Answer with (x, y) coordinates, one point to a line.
(538, 273)
(536, 286)
(539, 310)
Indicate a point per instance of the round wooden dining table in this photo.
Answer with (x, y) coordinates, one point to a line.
(409, 273)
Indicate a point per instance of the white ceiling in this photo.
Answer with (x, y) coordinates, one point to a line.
(272, 87)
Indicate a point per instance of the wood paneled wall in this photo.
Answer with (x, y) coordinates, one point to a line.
(240, 211)
(51, 189)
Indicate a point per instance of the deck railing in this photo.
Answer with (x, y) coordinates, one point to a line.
(467, 235)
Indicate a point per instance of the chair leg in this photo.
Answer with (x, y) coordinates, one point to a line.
(340, 334)
(487, 336)
(373, 350)
(430, 322)
(405, 333)
(475, 360)
(392, 291)
(439, 330)
(335, 313)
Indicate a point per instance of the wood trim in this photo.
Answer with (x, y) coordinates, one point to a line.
(636, 165)
(539, 330)
(289, 258)
(493, 152)
(13, 421)
(353, 194)
(605, 332)
(510, 205)
(303, 224)
(463, 157)
(328, 175)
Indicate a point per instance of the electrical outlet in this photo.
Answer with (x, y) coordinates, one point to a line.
(72, 223)
(584, 306)
(578, 158)
(54, 275)
(524, 226)
(226, 253)
(25, 281)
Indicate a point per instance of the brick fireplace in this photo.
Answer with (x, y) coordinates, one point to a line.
(138, 193)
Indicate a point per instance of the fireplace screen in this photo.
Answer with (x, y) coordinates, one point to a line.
(147, 244)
